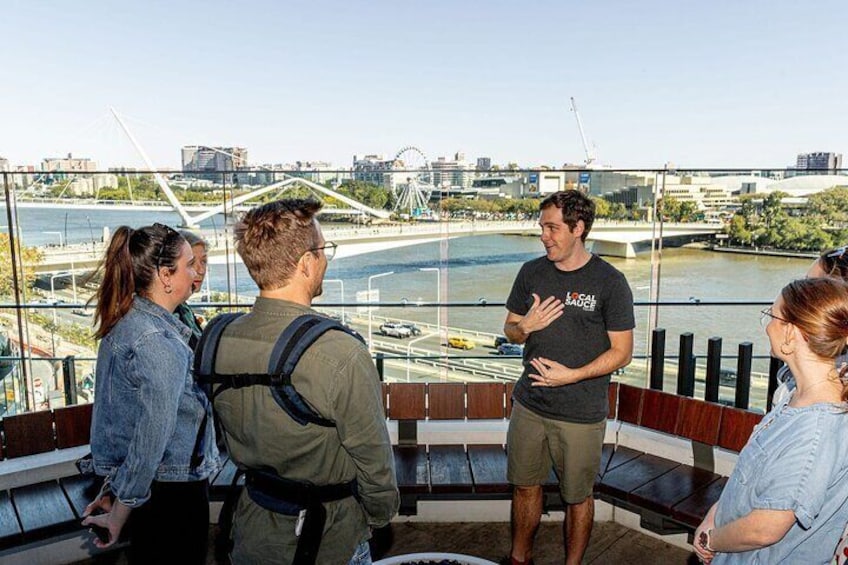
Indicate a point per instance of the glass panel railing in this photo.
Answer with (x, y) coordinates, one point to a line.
(435, 248)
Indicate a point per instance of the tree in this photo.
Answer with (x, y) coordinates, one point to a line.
(31, 256)
(602, 207)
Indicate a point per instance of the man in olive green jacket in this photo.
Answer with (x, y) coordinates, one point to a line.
(284, 250)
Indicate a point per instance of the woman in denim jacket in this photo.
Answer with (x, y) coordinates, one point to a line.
(787, 498)
(151, 433)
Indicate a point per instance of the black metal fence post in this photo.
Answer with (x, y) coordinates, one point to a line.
(774, 366)
(686, 366)
(713, 369)
(743, 375)
(381, 366)
(69, 374)
(657, 358)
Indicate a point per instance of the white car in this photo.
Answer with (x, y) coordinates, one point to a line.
(393, 329)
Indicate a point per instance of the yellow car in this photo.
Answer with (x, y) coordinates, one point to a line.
(460, 342)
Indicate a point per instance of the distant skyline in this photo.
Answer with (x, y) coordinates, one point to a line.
(736, 84)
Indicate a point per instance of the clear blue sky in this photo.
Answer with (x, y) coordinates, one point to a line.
(726, 83)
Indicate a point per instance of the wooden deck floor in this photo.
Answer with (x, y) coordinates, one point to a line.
(611, 543)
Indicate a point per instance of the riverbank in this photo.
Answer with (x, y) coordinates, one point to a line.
(764, 252)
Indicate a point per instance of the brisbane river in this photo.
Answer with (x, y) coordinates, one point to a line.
(483, 267)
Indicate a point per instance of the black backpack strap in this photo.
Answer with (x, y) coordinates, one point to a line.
(290, 346)
(207, 349)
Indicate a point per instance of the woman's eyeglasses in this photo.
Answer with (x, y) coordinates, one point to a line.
(767, 315)
(169, 231)
(329, 248)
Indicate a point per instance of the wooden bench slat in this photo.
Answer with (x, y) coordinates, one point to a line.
(638, 471)
(612, 457)
(659, 411)
(412, 469)
(73, 425)
(406, 401)
(449, 471)
(10, 528)
(629, 403)
(736, 427)
(509, 388)
(662, 493)
(488, 468)
(80, 491)
(485, 400)
(612, 399)
(43, 510)
(446, 401)
(693, 509)
(699, 420)
(28, 434)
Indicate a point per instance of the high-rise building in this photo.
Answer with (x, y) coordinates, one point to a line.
(217, 164)
(818, 163)
(60, 168)
(378, 170)
(484, 163)
(456, 173)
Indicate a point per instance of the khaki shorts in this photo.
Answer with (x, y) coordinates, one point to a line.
(535, 443)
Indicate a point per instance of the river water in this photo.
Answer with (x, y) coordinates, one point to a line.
(483, 267)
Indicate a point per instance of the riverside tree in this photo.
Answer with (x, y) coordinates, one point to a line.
(30, 258)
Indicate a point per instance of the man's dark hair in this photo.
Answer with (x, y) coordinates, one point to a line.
(575, 206)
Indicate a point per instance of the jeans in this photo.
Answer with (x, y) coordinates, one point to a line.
(362, 555)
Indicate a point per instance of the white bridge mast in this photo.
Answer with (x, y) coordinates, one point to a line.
(160, 180)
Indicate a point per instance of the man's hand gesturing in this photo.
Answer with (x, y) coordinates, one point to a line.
(541, 314)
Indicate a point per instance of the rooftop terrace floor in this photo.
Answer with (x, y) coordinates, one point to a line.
(611, 543)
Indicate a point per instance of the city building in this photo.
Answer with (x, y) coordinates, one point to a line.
(818, 163)
(218, 164)
(60, 168)
(378, 170)
(456, 173)
(484, 164)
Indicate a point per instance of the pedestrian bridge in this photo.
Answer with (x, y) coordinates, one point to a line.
(616, 239)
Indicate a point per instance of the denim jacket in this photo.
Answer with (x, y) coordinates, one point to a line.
(147, 407)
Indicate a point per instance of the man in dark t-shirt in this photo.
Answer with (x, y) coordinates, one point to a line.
(574, 313)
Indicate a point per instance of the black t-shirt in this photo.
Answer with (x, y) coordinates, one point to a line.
(597, 300)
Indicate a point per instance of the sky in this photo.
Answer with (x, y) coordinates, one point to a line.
(719, 84)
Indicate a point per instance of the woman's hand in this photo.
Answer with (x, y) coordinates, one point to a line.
(110, 523)
(704, 554)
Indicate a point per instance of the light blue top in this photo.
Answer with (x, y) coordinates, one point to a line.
(796, 459)
(147, 407)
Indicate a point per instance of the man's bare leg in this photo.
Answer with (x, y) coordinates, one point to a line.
(526, 515)
(577, 528)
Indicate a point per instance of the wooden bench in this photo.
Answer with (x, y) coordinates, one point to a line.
(670, 494)
(42, 494)
(667, 459)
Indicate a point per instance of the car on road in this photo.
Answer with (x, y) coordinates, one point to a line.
(394, 329)
(415, 330)
(500, 340)
(460, 342)
(81, 312)
(510, 349)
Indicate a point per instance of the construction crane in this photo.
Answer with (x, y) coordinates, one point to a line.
(590, 157)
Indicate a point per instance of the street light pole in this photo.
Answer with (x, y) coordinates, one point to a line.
(409, 350)
(370, 334)
(438, 272)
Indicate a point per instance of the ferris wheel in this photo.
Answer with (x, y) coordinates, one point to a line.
(414, 189)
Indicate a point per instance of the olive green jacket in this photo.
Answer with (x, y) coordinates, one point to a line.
(337, 378)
